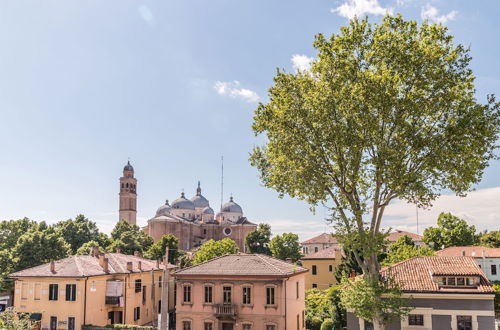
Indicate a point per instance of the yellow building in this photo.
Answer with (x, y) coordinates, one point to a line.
(321, 267)
(96, 289)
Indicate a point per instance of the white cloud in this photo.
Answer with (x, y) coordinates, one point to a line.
(234, 90)
(146, 14)
(360, 8)
(301, 62)
(432, 14)
(305, 229)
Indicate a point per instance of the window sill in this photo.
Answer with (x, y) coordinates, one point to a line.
(186, 303)
(247, 305)
(271, 306)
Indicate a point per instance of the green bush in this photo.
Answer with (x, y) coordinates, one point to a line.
(327, 324)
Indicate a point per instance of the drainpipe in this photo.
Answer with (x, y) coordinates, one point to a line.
(85, 302)
(284, 286)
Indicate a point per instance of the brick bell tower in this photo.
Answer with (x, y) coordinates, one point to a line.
(128, 195)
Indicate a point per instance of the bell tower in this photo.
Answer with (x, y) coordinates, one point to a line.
(128, 195)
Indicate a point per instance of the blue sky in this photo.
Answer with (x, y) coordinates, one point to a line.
(173, 85)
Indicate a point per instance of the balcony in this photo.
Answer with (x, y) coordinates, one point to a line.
(225, 311)
(112, 300)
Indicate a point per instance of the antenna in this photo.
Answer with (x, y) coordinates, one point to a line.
(416, 210)
(222, 182)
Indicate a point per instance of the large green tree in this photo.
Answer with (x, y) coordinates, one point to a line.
(322, 305)
(404, 249)
(129, 238)
(285, 246)
(450, 231)
(490, 239)
(157, 250)
(257, 241)
(79, 231)
(11, 230)
(211, 249)
(387, 111)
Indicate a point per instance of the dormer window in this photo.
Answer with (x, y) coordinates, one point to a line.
(456, 281)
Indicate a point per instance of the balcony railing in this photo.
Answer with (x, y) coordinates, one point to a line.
(225, 310)
(112, 300)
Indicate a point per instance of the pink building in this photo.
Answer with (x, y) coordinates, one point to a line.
(241, 291)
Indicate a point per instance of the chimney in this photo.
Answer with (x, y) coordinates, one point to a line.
(139, 265)
(105, 265)
(129, 266)
(52, 267)
(101, 260)
(338, 254)
(137, 254)
(157, 263)
(118, 250)
(289, 260)
(95, 251)
(353, 273)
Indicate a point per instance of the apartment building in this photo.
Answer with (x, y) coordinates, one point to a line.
(241, 292)
(321, 267)
(96, 289)
(446, 293)
(318, 243)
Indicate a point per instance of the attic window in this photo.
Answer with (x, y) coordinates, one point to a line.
(454, 281)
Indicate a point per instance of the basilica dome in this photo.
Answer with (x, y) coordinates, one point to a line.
(231, 206)
(164, 209)
(183, 203)
(207, 210)
(199, 200)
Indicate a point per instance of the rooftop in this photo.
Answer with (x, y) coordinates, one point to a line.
(415, 275)
(83, 266)
(397, 234)
(243, 265)
(470, 251)
(328, 253)
(321, 239)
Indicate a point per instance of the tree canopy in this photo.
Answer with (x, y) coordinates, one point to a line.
(285, 246)
(387, 111)
(211, 249)
(129, 238)
(404, 249)
(157, 250)
(79, 231)
(450, 231)
(324, 305)
(490, 239)
(257, 241)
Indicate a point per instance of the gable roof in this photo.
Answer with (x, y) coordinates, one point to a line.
(397, 234)
(321, 239)
(415, 275)
(328, 253)
(243, 265)
(470, 251)
(86, 265)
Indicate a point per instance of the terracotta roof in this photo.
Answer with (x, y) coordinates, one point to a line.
(470, 251)
(397, 234)
(416, 274)
(328, 253)
(243, 264)
(83, 266)
(321, 239)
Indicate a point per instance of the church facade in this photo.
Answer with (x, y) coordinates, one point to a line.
(192, 220)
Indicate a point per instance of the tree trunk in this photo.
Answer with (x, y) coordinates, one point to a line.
(378, 323)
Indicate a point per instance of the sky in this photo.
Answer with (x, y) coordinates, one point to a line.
(172, 86)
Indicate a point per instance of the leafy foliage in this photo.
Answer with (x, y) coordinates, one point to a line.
(327, 325)
(79, 231)
(285, 246)
(497, 298)
(490, 239)
(157, 250)
(211, 249)
(386, 111)
(322, 306)
(87, 248)
(257, 241)
(450, 231)
(404, 249)
(129, 238)
(12, 320)
(11, 230)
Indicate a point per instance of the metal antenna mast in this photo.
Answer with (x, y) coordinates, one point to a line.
(222, 182)
(416, 210)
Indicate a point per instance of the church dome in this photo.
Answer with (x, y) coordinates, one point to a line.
(231, 206)
(128, 167)
(207, 210)
(199, 200)
(164, 209)
(183, 203)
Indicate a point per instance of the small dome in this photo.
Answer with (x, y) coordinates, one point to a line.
(183, 203)
(231, 206)
(128, 167)
(164, 209)
(207, 210)
(199, 200)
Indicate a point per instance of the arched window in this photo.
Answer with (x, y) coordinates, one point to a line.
(127, 185)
